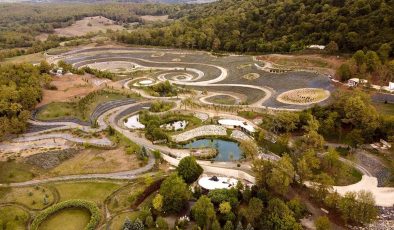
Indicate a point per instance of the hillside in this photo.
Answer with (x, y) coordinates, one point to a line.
(274, 26)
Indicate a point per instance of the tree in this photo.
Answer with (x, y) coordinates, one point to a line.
(239, 226)
(158, 202)
(175, 194)
(281, 175)
(189, 169)
(344, 72)
(215, 225)
(322, 185)
(203, 212)
(358, 207)
(297, 208)
(127, 225)
(307, 164)
(322, 223)
(228, 226)
(384, 52)
(254, 210)
(138, 225)
(359, 57)
(332, 47)
(280, 216)
(44, 67)
(161, 223)
(372, 61)
(225, 207)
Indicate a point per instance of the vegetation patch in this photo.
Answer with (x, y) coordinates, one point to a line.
(161, 106)
(91, 191)
(11, 171)
(79, 204)
(303, 96)
(12, 217)
(81, 109)
(37, 197)
(223, 100)
(251, 76)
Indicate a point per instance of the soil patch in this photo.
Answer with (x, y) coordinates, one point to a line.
(51, 159)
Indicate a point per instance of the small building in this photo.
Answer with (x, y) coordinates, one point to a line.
(317, 47)
(354, 82)
(391, 85)
(237, 124)
(59, 71)
(214, 182)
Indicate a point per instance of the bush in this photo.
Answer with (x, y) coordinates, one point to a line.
(161, 223)
(92, 207)
(189, 169)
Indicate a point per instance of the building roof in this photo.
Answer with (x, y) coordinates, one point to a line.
(232, 122)
(211, 183)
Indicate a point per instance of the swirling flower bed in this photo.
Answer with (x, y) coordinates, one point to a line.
(90, 206)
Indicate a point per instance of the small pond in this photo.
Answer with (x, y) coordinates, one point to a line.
(227, 150)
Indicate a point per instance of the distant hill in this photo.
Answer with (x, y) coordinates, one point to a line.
(275, 25)
(134, 1)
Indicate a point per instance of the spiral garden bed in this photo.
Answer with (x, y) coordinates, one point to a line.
(303, 96)
(70, 204)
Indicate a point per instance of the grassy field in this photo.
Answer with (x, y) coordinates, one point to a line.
(37, 197)
(13, 218)
(70, 219)
(93, 160)
(15, 172)
(91, 191)
(30, 58)
(386, 109)
(75, 109)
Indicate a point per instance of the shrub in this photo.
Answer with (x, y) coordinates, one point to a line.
(161, 223)
(189, 169)
(90, 206)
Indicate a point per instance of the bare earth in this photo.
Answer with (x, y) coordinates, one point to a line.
(97, 161)
(81, 28)
(70, 86)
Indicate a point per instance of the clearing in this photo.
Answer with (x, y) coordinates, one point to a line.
(153, 18)
(69, 87)
(88, 25)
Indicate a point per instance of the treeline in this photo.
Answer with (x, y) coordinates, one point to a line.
(20, 23)
(373, 66)
(20, 91)
(351, 119)
(274, 26)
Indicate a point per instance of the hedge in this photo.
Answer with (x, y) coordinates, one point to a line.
(92, 207)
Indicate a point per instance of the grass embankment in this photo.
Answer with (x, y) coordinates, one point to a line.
(81, 109)
(29, 58)
(15, 172)
(90, 191)
(385, 109)
(37, 197)
(14, 218)
(70, 219)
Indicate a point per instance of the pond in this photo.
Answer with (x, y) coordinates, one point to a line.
(227, 150)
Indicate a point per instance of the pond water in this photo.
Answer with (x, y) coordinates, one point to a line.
(227, 150)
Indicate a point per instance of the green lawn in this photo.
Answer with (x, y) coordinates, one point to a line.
(80, 109)
(30, 58)
(386, 109)
(37, 197)
(15, 172)
(13, 218)
(91, 191)
(70, 219)
(222, 99)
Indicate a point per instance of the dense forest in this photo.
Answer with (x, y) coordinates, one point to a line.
(20, 91)
(274, 26)
(20, 23)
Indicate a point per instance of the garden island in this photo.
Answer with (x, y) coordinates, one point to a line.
(139, 116)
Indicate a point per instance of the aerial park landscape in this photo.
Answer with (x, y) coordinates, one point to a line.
(99, 132)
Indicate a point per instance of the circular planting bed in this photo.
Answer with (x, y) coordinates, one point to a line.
(251, 76)
(303, 96)
(79, 209)
(223, 99)
(144, 82)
